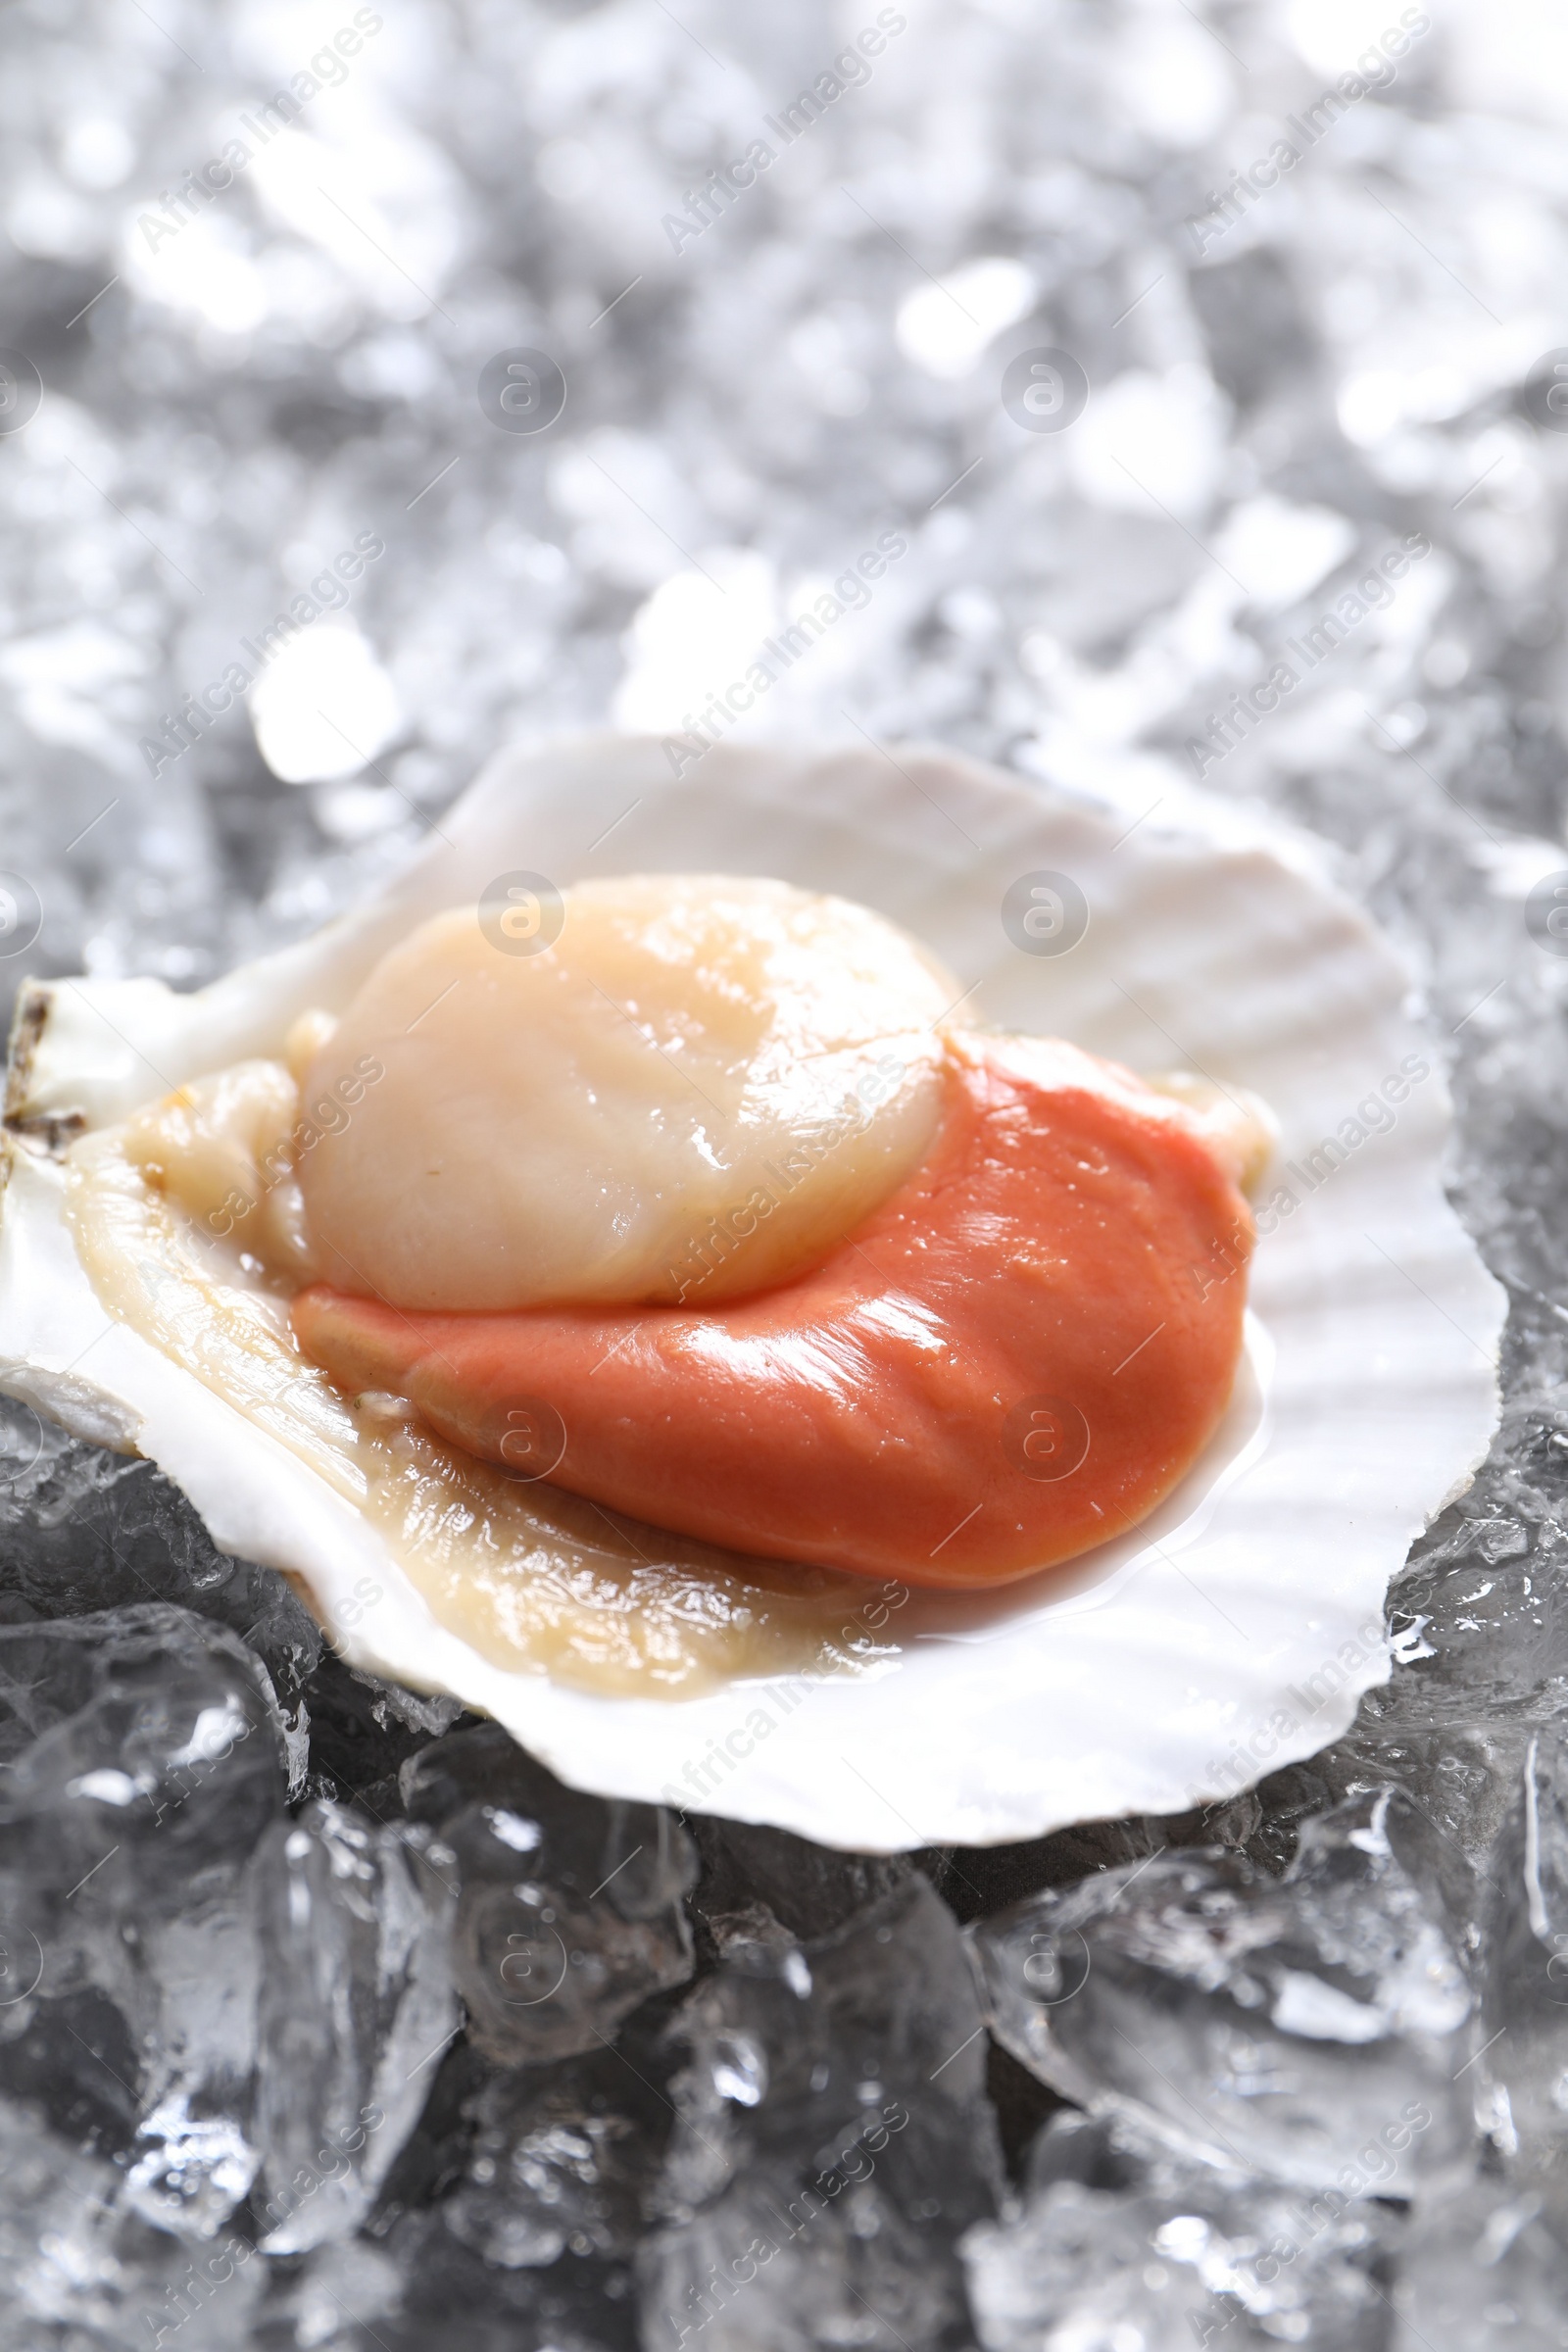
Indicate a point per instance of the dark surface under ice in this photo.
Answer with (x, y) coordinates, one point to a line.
(322, 2018)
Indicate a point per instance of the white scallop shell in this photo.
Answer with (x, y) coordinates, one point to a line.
(1231, 1633)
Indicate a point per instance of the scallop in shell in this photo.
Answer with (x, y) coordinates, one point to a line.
(1232, 1632)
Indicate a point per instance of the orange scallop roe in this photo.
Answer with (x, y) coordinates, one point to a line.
(1016, 1357)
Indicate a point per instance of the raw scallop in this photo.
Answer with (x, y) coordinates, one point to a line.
(574, 1116)
(1018, 1355)
(1231, 1633)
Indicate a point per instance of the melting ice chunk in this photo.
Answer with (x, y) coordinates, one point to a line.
(834, 2139)
(1120, 2242)
(570, 1909)
(356, 2005)
(1309, 2025)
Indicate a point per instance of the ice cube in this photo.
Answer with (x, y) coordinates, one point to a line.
(143, 1751)
(144, 1760)
(80, 2270)
(86, 1529)
(452, 2300)
(192, 2170)
(1524, 2004)
(564, 2157)
(1118, 2243)
(1483, 2271)
(1308, 2027)
(338, 2294)
(834, 2140)
(572, 1907)
(356, 2007)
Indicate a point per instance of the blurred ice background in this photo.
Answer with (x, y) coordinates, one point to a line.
(210, 406)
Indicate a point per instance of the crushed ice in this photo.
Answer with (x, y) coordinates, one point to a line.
(325, 2019)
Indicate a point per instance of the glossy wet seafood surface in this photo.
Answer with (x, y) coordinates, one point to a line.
(572, 1106)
